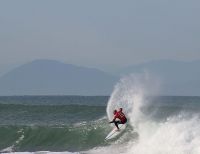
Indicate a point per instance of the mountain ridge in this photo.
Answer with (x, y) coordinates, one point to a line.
(177, 77)
(51, 77)
(54, 77)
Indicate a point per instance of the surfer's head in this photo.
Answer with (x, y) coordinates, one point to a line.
(115, 111)
(120, 109)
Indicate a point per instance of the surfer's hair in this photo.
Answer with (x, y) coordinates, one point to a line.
(114, 111)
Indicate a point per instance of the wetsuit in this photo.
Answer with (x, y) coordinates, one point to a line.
(122, 119)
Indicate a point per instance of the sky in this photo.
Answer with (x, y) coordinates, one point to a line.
(106, 34)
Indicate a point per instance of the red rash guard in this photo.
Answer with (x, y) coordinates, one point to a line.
(120, 115)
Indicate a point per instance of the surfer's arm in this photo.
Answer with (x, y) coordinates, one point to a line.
(113, 120)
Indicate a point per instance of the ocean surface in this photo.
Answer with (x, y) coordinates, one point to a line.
(79, 124)
(73, 123)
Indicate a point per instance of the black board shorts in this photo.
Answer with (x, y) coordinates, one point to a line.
(120, 122)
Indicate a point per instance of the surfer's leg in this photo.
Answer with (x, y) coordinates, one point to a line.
(116, 124)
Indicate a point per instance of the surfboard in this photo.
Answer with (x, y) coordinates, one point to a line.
(114, 133)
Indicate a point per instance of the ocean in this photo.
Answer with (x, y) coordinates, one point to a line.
(74, 123)
(79, 124)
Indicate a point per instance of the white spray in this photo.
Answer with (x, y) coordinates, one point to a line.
(177, 135)
(130, 94)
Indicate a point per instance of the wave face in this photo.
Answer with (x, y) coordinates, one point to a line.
(49, 123)
(74, 124)
(41, 138)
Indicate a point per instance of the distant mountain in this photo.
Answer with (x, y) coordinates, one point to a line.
(48, 77)
(177, 77)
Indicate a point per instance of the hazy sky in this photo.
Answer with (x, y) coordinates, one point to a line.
(104, 33)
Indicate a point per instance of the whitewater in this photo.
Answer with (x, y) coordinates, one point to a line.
(151, 130)
(177, 134)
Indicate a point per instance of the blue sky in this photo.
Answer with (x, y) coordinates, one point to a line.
(102, 34)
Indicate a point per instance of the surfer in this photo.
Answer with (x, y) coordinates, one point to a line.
(119, 118)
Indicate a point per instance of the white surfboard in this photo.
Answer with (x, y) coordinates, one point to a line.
(114, 133)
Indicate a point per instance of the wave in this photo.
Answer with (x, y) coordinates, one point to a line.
(77, 137)
(178, 133)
